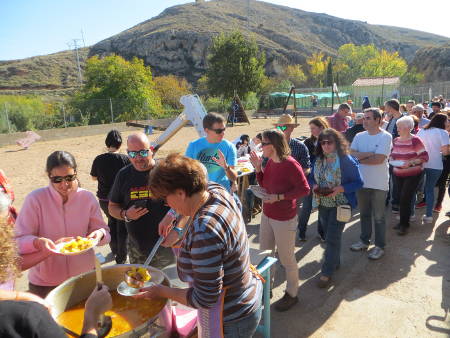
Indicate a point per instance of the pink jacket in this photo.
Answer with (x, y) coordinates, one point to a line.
(43, 214)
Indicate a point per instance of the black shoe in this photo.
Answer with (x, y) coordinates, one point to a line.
(397, 227)
(302, 238)
(285, 303)
(323, 284)
(402, 231)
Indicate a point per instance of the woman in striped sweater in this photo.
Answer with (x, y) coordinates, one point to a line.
(409, 154)
(214, 251)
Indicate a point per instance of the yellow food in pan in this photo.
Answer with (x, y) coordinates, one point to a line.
(140, 274)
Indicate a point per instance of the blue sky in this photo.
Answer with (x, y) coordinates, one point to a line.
(37, 27)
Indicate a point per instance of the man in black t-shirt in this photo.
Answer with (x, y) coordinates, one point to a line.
(104, 170)
(131, 200)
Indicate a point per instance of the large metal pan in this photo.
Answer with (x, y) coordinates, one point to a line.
(78, 288)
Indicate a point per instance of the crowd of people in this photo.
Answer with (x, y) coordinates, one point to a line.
(364, 161)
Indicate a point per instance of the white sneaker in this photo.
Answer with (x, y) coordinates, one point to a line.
(376, 253)
(427, 220)
(359, 246)
(412, 218)
(397, 217)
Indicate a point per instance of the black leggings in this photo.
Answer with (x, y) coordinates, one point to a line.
(406, 187)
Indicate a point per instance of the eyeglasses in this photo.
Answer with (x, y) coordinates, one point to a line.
(282, 128)
(59, 179)
(326, 142)
(219, 130)
(142, 153)
(265, 144)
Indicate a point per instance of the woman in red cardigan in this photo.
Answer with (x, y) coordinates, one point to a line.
(284, 181)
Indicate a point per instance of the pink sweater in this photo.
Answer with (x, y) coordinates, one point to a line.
(43, 214)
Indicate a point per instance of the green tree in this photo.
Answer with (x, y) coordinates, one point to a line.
(412, 77)
(170, 88)
(317, 66)
(385, 64)
(235, 64)
(329, 78)
(128, 84)
(295, 74)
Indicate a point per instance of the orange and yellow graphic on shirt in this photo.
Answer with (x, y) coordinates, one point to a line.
(138, 193)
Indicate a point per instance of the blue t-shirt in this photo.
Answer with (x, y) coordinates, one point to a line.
(204, 151)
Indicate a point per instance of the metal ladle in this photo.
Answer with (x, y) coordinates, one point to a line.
(131, 286)
(105, 322)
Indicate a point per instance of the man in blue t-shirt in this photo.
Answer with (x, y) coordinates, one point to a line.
(216, 154)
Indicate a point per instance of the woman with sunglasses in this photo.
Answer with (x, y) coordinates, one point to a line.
(336, 179)
(284, 181)
(52, 214)
(316, 125)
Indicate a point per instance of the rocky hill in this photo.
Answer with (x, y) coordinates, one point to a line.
(434, 62)
(177, 40)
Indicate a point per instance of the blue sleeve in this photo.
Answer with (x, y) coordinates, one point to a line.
(190, 151)
(231, 156)
(351, 177)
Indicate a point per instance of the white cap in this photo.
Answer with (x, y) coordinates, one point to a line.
(359, 116)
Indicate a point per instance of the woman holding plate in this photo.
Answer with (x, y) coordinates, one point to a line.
(407, 156)
(55, 213)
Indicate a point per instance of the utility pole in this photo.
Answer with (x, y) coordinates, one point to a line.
(74, 45)
(82, 38)
(248, 15)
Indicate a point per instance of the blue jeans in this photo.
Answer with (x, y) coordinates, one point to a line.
(244, 327)
(371, 203)
(303, 217)
(333, 238)
(431, 178)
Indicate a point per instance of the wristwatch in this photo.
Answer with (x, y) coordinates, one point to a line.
(124, 215)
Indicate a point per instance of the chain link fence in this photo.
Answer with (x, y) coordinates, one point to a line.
(317, 98)
(16, 117)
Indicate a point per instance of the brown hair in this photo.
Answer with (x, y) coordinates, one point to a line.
(335, 136)
(177, 172)
(437, 121)
(319, 122)
(212, 118)
(277, 140)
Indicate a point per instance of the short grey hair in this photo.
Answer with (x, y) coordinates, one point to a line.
(418, 107)
(5, 202)
(406, 121)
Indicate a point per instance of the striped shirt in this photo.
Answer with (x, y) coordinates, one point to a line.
(214, 256)
(408, 150)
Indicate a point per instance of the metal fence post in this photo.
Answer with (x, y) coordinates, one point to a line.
(64, 114)
(7, 119)
(111, 108)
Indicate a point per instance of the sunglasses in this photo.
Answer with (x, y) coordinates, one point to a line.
(265, 144)
(282, 128)
(326, 142)
(59, 179)
(142, 153)
(219, 131)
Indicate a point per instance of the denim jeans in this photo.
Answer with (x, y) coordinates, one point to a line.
(333, 238)
(244, 327)
(371, 203)
(431, 178)
(303, 217)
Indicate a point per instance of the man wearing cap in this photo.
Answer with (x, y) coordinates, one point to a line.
(338, 120)
(299, 151)
(418, 110)
(357, 128)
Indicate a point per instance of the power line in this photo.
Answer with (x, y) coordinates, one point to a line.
(74, 44)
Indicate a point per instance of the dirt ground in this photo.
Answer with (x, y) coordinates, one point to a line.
(405, 294)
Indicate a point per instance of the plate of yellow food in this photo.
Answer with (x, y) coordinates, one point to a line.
(75, 246)
(137, 278)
